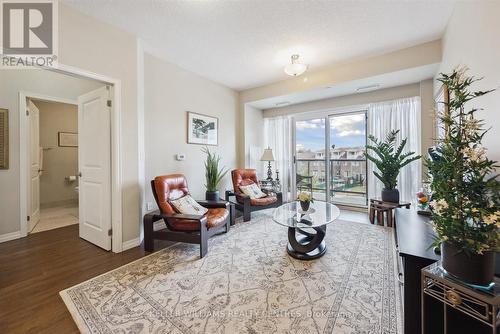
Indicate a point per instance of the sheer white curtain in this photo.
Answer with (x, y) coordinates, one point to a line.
(254, 154)
(278, 136)
(403, 115)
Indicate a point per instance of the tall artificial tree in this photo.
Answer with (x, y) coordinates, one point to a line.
(465, 189)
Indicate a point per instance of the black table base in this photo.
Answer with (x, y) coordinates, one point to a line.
(306, 246)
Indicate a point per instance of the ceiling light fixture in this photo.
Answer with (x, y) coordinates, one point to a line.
(295, 68)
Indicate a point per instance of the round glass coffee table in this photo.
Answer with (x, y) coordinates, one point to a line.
(303, 244)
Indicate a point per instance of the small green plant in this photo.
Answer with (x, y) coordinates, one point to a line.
(213, 174)
(465, 189)
(389, 159)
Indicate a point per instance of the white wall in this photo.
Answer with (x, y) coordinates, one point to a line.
(169, 92)
(254, 138)
(90, 44)
(472, 38)
(348, 100)
(58, 161)
(34, 81)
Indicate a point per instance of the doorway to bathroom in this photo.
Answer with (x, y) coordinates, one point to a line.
(67, 161)
(54, 164)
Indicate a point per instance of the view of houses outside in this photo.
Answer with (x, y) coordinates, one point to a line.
(346, 159)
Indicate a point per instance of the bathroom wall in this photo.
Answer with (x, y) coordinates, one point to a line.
(58, 162)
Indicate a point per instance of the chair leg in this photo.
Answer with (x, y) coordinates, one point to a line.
(232, 213)
(380, 217)
(372, 215)
(203, 242)
(246, 209)
(247, 215)
(148, 234)
(228, 223)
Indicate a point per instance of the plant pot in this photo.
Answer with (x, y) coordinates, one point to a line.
(475, 269)
(390, 195)
(305, 205)
(212, 195)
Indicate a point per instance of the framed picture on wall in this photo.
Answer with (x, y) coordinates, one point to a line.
(67, 139)
(202, 129)
(4, 138)
(442, 99)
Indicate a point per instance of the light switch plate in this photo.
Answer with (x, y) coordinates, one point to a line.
(180, 156)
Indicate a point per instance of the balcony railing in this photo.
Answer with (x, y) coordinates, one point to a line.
(347, 178)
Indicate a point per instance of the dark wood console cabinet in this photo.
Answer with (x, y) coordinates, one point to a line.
(413, 236)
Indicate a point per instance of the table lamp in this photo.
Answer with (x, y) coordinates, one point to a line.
(268, 156)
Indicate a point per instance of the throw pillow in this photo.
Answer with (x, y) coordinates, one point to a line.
(187, 205)
(253, 191)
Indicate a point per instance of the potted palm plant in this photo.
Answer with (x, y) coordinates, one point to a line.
(389, 160)
(213, 175)
(465, 189)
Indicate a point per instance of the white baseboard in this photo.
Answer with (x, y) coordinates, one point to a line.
(10, 236)
(131, 244)
(158, 225)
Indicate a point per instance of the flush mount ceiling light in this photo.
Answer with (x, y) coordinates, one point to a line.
(295, 68)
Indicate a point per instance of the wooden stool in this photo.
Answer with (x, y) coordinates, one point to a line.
(379, 207)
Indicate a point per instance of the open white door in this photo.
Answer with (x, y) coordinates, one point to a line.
(35, 168)
(94, 161)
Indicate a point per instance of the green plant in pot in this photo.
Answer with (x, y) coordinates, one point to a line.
(213, 175)
(389, 160)
(465, 189)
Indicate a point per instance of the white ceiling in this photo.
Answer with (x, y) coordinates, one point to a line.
(244, 44)
(386, 80)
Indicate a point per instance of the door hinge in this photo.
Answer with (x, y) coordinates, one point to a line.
(109, 103)
(27, 112)
(28, 218)
(110, 232)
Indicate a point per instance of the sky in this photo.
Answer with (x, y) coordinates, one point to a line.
(345, 131)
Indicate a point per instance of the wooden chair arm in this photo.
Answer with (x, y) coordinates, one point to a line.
(200, 218)
(214, 204)
(232, 193)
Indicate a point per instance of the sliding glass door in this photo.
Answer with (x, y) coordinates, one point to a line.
(347, 160)
(310, 163)
(329, 157)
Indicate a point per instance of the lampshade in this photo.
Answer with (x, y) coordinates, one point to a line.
(267, 155)
(295, 68)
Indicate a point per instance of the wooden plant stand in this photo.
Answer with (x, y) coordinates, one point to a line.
(379, 208)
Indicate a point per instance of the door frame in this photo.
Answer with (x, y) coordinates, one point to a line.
(325, 114)
(116, 164)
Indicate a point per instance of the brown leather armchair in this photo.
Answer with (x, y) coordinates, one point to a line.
(243, 177)
(181, 227)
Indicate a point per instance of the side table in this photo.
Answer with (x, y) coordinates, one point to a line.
(451, 306)
(379, 208)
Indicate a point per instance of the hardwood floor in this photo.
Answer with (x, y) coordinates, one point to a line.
(34, 269)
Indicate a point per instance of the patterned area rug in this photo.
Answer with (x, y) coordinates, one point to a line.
(247, 283)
